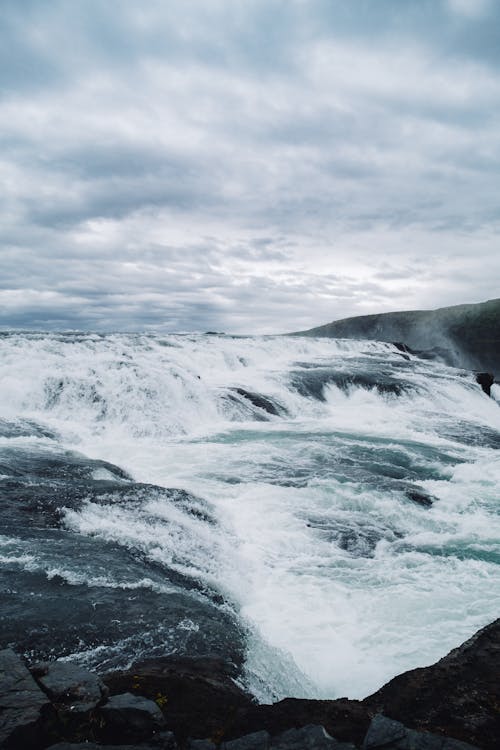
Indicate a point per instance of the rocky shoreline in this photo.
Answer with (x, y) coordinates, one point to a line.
(182, 702)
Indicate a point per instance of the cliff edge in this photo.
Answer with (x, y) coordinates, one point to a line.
(465, 336)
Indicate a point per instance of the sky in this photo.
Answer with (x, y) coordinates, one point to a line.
(248, 166)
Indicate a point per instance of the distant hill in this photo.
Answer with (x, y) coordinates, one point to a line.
(463, 335)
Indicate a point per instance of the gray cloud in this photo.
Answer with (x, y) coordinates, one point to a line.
(248, 165)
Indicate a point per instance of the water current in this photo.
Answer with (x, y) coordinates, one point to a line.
(324, 513)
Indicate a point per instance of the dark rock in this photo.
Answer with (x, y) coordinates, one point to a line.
(70, 686)
(198, 696)
(129, 717)
(201, 745)
(311, 382)
(457, 697)
(311, 737)
(93, 746)
(392, 735)
(261, 402)
(255, 741)
(485, 380)
(44, 616)
(401, 347)
(384, 732)
(22, 703)
(419, 496)
(166, 741)
(346, 720)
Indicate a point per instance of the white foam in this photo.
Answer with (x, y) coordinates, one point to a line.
(322, 621)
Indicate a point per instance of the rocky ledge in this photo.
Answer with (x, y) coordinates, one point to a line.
(175, 703)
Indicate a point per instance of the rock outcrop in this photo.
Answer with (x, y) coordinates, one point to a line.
(458, 696)
(188, 703)
(465, 336)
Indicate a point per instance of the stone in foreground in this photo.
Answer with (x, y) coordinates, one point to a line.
(387, 734)
(21, 703)
(70, 685)
(254, 741)
(311, 737)
(128, 717)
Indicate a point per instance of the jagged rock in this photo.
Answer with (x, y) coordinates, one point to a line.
(311, 737)
(21, 703)
(346, 720)
(485, 380)
(255, 741)
(70, 686)
(198, 695)
(456, 697)
(387, 734)
(130, 717)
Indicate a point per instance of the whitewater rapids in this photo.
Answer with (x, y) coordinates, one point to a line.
(337, 502)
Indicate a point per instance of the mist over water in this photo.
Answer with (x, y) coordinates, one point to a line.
(335, 503)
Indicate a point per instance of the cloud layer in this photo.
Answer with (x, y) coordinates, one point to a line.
(245, 165)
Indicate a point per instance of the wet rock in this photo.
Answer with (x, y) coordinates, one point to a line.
(419, 497)
(57, 606)
(392, 735)
(312, 382)
(457, 697)
(261, 402)
(129, 717)
(402, 347)
(22, 703)
(70, 686)
(198, 696)
(485, 380)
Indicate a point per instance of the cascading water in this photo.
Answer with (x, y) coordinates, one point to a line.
(324, 510)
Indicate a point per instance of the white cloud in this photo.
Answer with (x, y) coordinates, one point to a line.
(470, 8)
(194, 174)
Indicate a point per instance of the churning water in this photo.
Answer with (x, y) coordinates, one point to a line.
(324, 511)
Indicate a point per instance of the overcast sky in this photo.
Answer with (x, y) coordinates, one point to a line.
(245, 165)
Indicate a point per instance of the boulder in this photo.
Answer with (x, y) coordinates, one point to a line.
(22, 703)
(69, 686)
(129, 717)
(387, 734)
(310, 737)
(198, 696)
